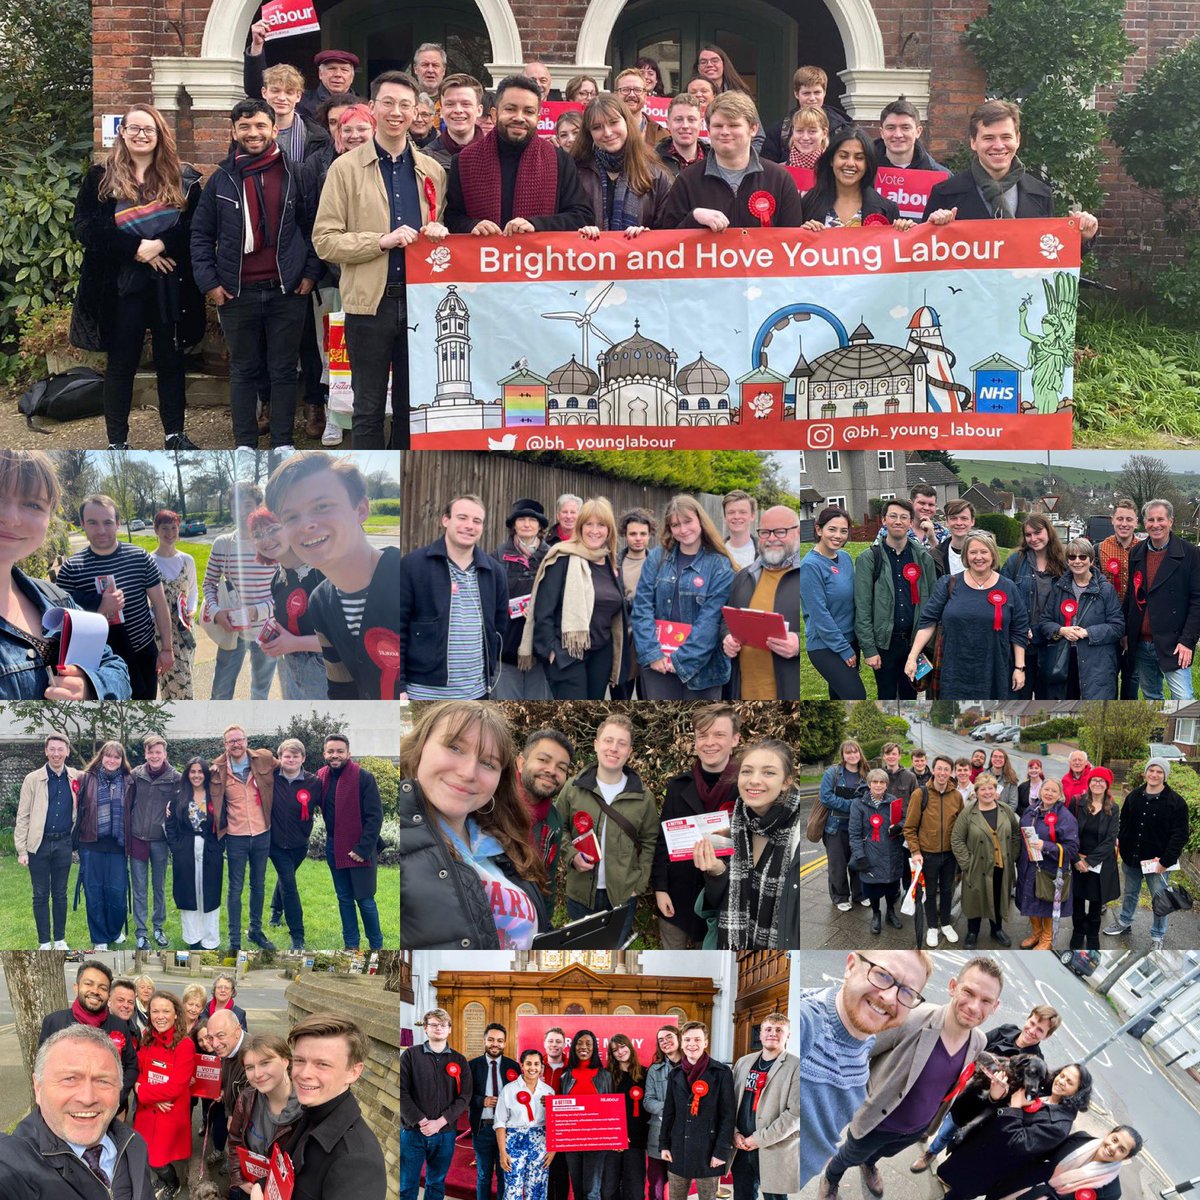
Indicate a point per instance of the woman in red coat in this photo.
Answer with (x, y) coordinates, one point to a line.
(166, 1063)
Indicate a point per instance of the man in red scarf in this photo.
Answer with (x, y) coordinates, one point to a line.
(542, 770)
(92, 983)
(353, 816)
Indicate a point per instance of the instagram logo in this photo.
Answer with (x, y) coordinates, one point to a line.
(820, 435)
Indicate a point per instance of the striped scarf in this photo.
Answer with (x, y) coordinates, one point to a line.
(110, 806)
(748, 919)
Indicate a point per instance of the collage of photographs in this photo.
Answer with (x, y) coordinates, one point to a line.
(601, 600)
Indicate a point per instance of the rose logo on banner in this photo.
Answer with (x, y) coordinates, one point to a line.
(304, 796)
(383, 649)
(635, 1094)
(455, 1072)
(439, 259)
(526, 1099)
(912, 572)
(699, 1089)
(997, 599)
(876, 822)
(1068, 608)
(762, 205)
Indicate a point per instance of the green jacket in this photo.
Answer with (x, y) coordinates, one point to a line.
(975, 850)
(875, 598)
(626, 863)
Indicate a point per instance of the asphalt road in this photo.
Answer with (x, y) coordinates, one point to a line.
(1128, 1088)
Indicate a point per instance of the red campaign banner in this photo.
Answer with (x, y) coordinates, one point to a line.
(908, 188)
(586, 1123)
(287, 18)
(551, 111)
(206, 1078)
(641, 1031)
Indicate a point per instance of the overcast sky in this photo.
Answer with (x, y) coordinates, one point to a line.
(1097, 460)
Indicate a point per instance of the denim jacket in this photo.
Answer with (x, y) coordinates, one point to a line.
(700, 662)
(23, 674)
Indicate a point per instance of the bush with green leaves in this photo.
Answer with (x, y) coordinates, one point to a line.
(1054, 730)
(1005, 529)
(1155, 127)
(386, 508)
(1051, 56)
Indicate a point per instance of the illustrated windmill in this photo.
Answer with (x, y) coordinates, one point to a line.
(583, 320)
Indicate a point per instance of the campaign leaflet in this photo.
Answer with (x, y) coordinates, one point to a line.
(682, 833)
(580, 1123)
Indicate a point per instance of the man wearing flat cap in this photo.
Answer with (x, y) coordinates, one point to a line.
(520, 558)
(335, 69)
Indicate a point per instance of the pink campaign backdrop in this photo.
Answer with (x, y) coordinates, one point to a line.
(642, 1031)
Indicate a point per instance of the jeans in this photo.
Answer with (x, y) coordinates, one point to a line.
(745, 1178)
(229, 666)
(104, 888)
(433, 1154)
(286, 897)
(241, 849)
(870, 1148)
(487, 1162)
(941, 1139)
(344, 890)
(131, 317)
(1151, 676)
(302, 675)
(156, 868)
(586, 1171)
(521, 685)
(1133, 889)
(278, 316)
(577, 910)
(375, 345)
(49, 868)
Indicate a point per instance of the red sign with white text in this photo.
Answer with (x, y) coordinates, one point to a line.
(908, 188)
(282, 1178)
(287, 18)
(551, 111)
(641, 1031)
(586, 1123)
(206, 1077)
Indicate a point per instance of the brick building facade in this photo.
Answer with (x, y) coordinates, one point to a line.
(186, 58)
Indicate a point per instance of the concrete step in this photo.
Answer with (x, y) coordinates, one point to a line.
(203, 391)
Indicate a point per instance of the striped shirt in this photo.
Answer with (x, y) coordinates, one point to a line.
(466, 674)
(353, 605)
(233, 559)
(134, 571)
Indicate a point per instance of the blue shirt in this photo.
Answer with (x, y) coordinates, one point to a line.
(108, 1154)
(827, 598)
(59, 803)
(404, 202)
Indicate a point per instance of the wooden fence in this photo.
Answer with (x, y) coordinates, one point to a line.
(430, 477)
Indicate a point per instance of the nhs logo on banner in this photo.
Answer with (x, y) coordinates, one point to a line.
(997, 385)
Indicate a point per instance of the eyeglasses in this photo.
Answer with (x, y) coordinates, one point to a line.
(146, 131)
(631, 91)
(708, 61)
(777, 534)
(877, 977)
(267, 531)
(1079, 558)
(396, 105)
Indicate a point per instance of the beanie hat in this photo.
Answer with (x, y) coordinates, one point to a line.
(1159, 762)
(1099, 773)
(527, 508)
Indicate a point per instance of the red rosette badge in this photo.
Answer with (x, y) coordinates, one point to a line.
(876, 219)
(876, 822)
(303, 796)
(296, 607)
(1138, 595)
(1068, 608)
(1051, 825)
(455, 1073)
(526, 1099)
(75, 786)
(510, 1075)
(762, 206)
(117, 1039)
(912, 572)
(1113, 567)
(699, 1089)
(635, 1094)
(431, 198)
(383, 649)
(997, 599)
(1086, 1194)
(760, 1084)
(583, 823)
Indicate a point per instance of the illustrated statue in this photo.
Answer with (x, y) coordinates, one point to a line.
(1052, 352)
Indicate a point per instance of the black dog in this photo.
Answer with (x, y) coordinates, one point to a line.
(1026, 1071)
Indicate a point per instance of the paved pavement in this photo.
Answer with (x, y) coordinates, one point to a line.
(1128, 1085)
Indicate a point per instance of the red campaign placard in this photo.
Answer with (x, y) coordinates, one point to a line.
(641, 1031)
(206, 1078)
(656, 108)
(254, 1167)
(551, 111)
(586, 1123)
(287, 18)
(752, 627)
(281, 1179)
(908, 188)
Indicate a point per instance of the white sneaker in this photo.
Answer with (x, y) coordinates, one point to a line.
(333, 433)
(865, 902)
(61, 946)
(284, 451)
(121, 940)
(45, 946)
(949, 934)
(845, 906)
(931, 936)
(100, 946)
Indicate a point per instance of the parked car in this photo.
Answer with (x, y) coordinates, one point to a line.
(982, 731)
(1166, 750)
(191, 526)
(1009, 733)
(136, 526)
(1080, 962)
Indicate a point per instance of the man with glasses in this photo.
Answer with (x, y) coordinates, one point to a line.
(913, 1066)
(435, 1090)
(771, 583)
(377, 199)
(630, 86)
(838, 1027)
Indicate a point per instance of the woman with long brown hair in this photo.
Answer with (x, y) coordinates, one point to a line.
(676, 614)
(841, 784)
(713, 64)
(1033, 566)
(666, 1056)
(625, 1170)
(1097, 878)
(101, 837)
(618, 170)
(469, 877)
(133, 216)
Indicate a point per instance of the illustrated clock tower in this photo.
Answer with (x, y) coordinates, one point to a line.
(453, 349)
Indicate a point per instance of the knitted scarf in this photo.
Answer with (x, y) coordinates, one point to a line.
(719, 795)
(694, 1071)
(993, 189)
(626, 207)
(536, 191)
(748, 916)
(250, 170)
(212, 1005)
(347, 808)
(83, 1017)
(802, 158)
(110, 805)
(578, 599)
(539, 831)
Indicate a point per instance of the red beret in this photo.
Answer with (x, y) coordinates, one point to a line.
(336, 56)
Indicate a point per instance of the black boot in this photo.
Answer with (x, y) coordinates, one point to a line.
(893, 918)
(876, 921)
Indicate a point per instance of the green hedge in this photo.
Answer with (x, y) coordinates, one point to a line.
(1052, 731)
(386, 508)
(1006, 530)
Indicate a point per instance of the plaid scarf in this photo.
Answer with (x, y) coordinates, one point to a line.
(626, 207)
(110, 806)
(247, 169)
(748, 916)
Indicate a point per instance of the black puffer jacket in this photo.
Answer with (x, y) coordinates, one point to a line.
(442, 903)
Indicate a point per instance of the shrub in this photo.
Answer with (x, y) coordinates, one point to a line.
(1054, 730)
(386, 508)
(1006, 530)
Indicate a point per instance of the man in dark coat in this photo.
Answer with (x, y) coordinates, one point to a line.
(334, 1153)
(901, 145)
(1162, 606)
(997, 184)
(489, 1073)
(56, 1154)
(353, 816)
(696, 1139)
(519, 558)
(90, 1007)
(152, 789)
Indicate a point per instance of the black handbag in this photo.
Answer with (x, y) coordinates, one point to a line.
(1054, 660)
(72, 396)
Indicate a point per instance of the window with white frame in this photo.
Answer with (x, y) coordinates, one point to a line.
(887, 460)
(886, 496)
(833, 460)
(1185, 730)
(838, 501)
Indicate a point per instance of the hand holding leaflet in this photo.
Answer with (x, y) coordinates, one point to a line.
(82, 636)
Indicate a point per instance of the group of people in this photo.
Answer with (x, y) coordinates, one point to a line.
(489, 830)
(885, 1068)
(234, 814)
(689, 1117)
(119, 1074)
(934, 606)
(297, 584)
(1052, 846)
(590, 608)
(311, 210)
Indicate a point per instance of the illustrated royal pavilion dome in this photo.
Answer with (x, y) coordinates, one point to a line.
(701, 378)
(574, 379)
(638, 356)
(863, 359)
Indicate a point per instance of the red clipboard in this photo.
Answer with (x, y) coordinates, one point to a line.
(752, 627)
(671, 635)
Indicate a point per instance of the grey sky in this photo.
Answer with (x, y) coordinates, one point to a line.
(1096, 460)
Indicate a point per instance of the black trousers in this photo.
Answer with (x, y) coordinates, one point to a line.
(49, 868)
(375, 345)
(890, 680)
(1085, 920)
(844, 681)
(583, 678)
(132, 316)
(142, 664)
(940, 867)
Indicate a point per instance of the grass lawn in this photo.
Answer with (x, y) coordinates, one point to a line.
(382, 524)
(322, 927)
(812, 685)
(198, 550)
